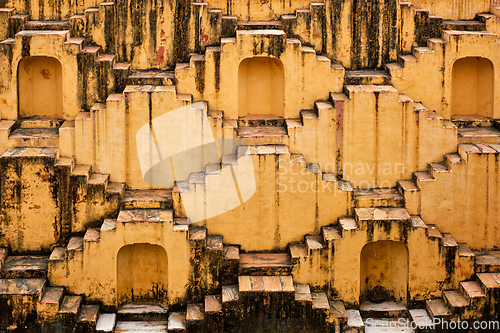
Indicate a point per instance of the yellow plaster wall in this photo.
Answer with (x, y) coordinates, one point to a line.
(258, 11)
(427, 274)
(30, 207)
(435, 93)
(307, 78)
(48, 44)
(82, 273)
(454, 10)
(272, 210)
(464, 202)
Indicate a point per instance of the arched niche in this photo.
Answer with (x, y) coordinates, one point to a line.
(142, 273)
(40, 90)
(261, 87)
(384, 265)
(472, 87)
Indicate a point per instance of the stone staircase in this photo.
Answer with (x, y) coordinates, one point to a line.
(439, 173)
(417, 121)
(80, 200)
(306, 14)
(447, 41)
(27, 298)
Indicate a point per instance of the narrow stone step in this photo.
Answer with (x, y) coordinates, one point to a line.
(231, 252)
(464, 121)
(455, 299)
(53, 295)
(7, 127)
(195, 312)
(437, 308)
(463, 25)
(197, 234)
(48, 307)
(40, 122)
(115, 188)
(153, 77)
(306, 115)
(434, 232)
(65, 162)
(436, 168)
(347, 224)
(99, 179)
(22, 287)
(213, 169)
(35, 137)
(106, 322)
(46, 25)
(108, 225)
(331, 233)
(386, 309)
(320, 301)
(417, 222)
(471, 290)
(75, 244)
(142, 311)
(262, 132)
(82, 170)
(31, 152)
(449, 241)
(483, 135)
(197, 178)
(407, 60)
(298, 251)
(487, 261)
(303, 293)
(259, 25)
(378, 197)
(451, 159)
(337, 311)
(464, 250)
(147, 199)
(214, 243)
(58, 254)
(421, 318)
(230, 293)
(92, 235)
(253, 283)
(314, 243)
(422, 176)
(71, 305)
(367, 76)
(381, 214)
(145, 216)
(141, 326)
(354, 321)
(213, 303)
(28, 266)
(421, 50)
(265, 264)
(321, 107)
(488, 281)
(177, 321)
(87, 319)
(261, 120)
